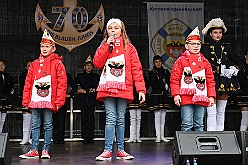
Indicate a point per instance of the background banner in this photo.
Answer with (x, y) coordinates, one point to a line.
(169, 24)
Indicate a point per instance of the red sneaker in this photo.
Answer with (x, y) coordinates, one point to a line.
(121, 154)
(106, 155)
(31, 154)
(45, 155)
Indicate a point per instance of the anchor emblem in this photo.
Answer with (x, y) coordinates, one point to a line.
(68, 29)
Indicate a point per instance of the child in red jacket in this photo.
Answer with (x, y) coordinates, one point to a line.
(121, 69)
(44, 93)
(192, 84)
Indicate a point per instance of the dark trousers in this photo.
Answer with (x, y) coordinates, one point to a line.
(87, 122)
(59, 123)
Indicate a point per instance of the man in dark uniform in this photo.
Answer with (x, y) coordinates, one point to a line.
(87, 94)
(59, 117)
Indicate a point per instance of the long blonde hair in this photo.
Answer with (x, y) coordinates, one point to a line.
(123, 34)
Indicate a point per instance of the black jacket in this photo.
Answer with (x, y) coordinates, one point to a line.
(243, 80)
(22, 79)
(228, 53)
(72, 85)
(88, 82)
(6, 85)
(156, 77)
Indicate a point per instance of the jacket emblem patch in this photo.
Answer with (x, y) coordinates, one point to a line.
(116, 68)
(188, 77)
(42, 89)
(200, 82)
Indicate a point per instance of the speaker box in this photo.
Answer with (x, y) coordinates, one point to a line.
(208, 147)
(242, 137)
(5, 150)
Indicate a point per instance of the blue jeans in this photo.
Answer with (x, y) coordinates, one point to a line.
(115, 109)
(192, 117)
(48, 127)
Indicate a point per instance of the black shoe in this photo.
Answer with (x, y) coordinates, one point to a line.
(61, 142)
(56, 141)
(85, 141)
(91, 141)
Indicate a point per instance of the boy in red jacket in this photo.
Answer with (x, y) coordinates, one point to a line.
(44, 93)
(192, 84)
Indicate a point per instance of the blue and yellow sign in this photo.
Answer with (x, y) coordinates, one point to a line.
(169, 41)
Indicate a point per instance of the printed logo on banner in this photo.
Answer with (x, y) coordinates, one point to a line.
(71, 28)
(168, 41)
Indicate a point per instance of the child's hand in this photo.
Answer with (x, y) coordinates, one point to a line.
(111, 39)
(211, 101)
(177, 100)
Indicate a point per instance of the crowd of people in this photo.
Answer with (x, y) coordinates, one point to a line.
(200, 82)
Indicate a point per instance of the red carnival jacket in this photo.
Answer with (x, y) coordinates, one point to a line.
(176, 76)
(58, 82)
(133, 70)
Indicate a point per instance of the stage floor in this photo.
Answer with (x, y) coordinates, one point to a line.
(75, 153)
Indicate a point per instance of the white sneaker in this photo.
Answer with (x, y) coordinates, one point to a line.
(158, 139)
(130, 141)
(25, 143)
(164, 139)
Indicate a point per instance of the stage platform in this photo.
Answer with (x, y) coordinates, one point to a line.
(78, 153)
